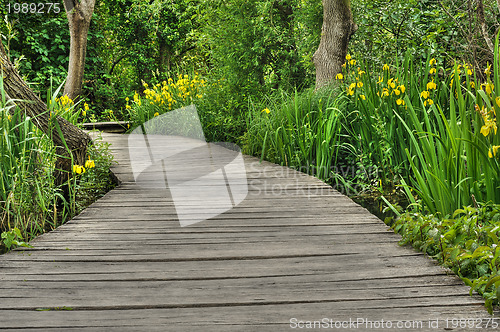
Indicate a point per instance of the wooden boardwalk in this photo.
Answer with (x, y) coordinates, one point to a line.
(293, 250)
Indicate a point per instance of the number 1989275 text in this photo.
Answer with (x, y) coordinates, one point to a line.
(34, 8)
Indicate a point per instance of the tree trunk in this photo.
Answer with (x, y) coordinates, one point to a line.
(484, 29)
(76, 139)
(164, 59)
(338, 27)
(79, 15)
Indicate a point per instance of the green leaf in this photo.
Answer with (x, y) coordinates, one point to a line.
(491, 282)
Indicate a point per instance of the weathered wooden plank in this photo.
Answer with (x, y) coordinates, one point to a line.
(99, 242)
(202, 251)
(385, 265)
(203, 294)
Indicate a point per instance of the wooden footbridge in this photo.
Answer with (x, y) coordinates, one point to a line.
(295, 254)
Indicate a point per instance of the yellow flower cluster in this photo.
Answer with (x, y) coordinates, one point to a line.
(488, 87)
(90, 163)
(393, 88)
(78, 169)
(350, 89)
(487, 71)
(488, 113)
(350, 60)
(489, 118)
(431, 85)
(64, 103)
(493, 151)
(169, 93)
(85, 109)
(64, 100)
(426, 94)
(357, 84)
(469, 69)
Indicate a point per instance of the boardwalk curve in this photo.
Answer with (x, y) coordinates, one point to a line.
(294, 251)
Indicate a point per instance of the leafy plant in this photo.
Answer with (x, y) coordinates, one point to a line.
(467, 243)
(13, 238)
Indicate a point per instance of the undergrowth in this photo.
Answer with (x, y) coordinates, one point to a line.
(467, 242)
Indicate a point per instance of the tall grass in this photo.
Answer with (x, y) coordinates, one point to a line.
(30, 201)
(420, 126)
(453, 163)
(28, 197)
(376, 99)
(299, 130)
(426, 128)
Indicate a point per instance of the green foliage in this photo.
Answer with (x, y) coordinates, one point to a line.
(43, 43)
(467, 243)
(29, 199)
(256, 49)
(446, 30)
(40, 45)
(222, 114)
(398, 26)
(165, 31)
(417, 124)
(300, 130)
(13, 238)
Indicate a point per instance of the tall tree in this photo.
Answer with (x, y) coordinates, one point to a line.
(79, 13)
(338, 27)
(75, 139)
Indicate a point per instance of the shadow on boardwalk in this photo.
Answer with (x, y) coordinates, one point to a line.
(293, 251)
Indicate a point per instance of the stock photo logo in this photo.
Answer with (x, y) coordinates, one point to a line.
(169, 152)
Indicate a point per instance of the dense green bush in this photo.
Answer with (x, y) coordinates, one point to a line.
(446, 30)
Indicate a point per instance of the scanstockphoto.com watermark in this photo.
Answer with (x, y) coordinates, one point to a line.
(295, 185)
(381, 324)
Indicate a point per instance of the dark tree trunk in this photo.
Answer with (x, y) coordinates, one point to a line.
(337, 29)
(76, 139)
(79, 14)
(165, 56)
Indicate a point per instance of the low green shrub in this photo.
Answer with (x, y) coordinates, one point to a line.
(466, 242)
